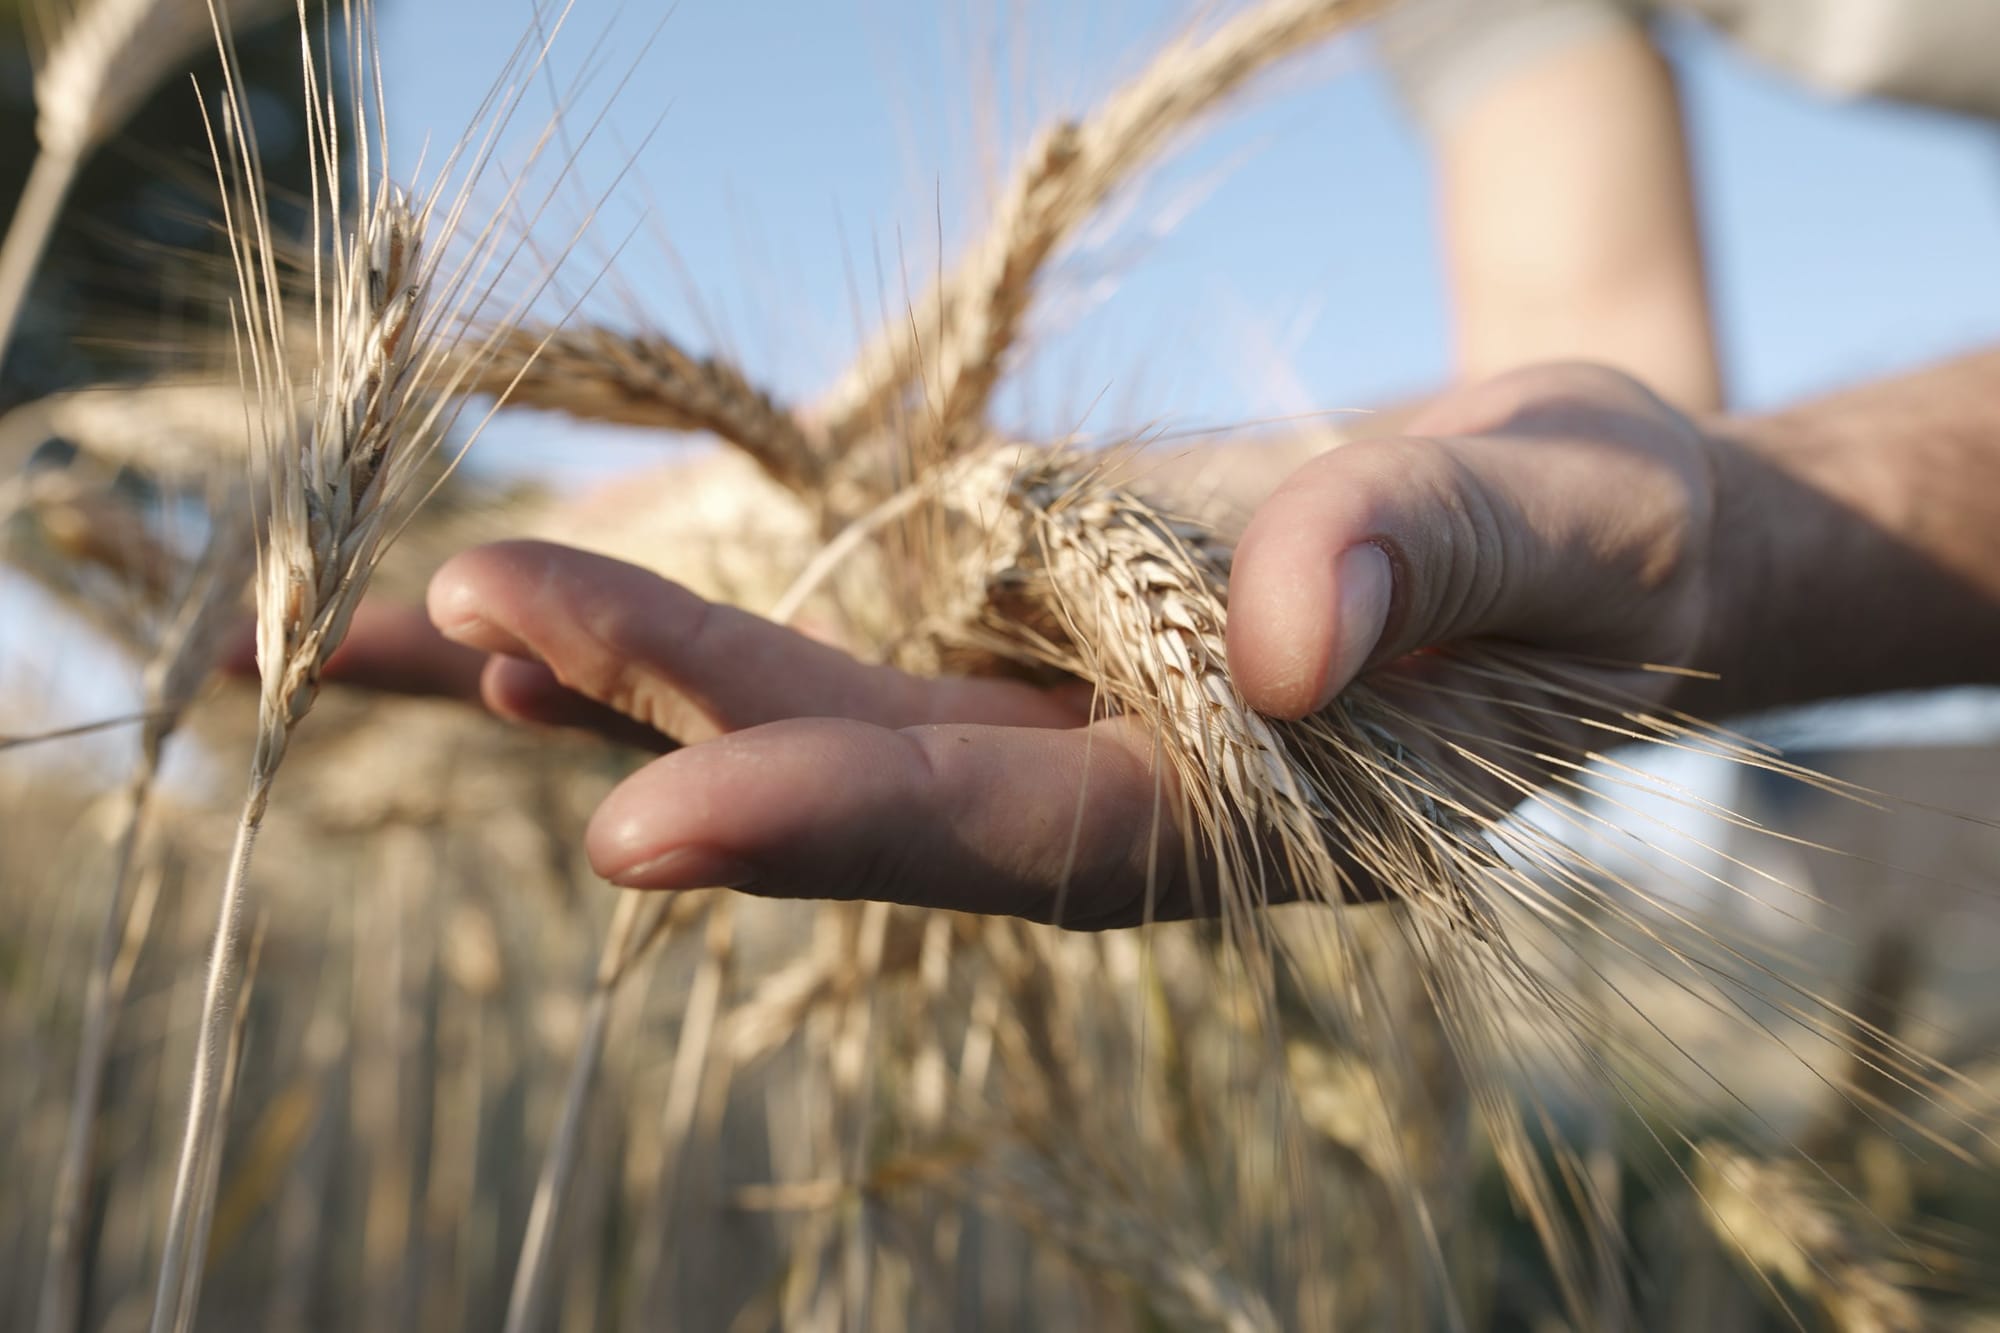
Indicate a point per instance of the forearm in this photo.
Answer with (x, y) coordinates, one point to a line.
(1857, 543)
(1569, 222)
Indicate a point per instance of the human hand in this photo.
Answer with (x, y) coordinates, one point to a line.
(1565, 510)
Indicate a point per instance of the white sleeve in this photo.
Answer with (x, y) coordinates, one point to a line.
(1445, 53)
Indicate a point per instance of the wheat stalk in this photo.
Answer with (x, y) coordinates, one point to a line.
(973, 317)
(187, 651)
(379, 393)
(697, 1077)
(639, 923)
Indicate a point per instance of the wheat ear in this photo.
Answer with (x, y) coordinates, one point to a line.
(600, 374)
(974, 315)
(182, 432)
(377, 395)
(1774, 1220)
(1050, 565)
(1070, 572)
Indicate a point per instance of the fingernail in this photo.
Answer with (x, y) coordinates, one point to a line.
(1362, 582)
(686, 868)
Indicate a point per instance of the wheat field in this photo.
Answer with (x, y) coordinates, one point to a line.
(313, 1015)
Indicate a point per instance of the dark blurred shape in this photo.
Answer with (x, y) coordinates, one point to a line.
(133, 274)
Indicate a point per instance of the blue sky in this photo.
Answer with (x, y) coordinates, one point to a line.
(801, 152)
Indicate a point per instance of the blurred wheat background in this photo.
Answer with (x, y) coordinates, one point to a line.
(1756, 1086)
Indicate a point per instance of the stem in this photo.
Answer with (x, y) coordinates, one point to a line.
(102, 997)
(686, 1085)
(524, 1303)
(28, 234)
(530, 1275)
(211, 1167)
(185, 1251)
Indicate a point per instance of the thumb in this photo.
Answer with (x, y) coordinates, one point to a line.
(1382, 547)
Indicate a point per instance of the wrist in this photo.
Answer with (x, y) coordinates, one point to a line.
(1856, 549)
(1756, 549)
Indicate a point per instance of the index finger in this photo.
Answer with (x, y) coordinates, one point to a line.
(689, 668)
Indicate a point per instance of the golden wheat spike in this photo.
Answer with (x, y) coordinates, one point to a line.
(598, 374)
(1042, 560)
(342, 428)
(957, 337)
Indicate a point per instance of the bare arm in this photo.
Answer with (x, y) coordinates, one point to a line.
(1846, 546)
(1569, 224)
(1858, 540)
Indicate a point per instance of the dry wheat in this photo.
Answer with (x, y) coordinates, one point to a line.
(188, 648)
(598, 374)
(180, 431)
(1782, 1224)
(388, 313)
(1044, 562)
(957, 336)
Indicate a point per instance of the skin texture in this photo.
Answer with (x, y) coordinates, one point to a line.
(1846, 546)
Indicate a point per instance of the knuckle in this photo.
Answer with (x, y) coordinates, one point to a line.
(1470, 562)
(621, 667)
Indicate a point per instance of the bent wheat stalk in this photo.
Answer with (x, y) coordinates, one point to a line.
(329, 506)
